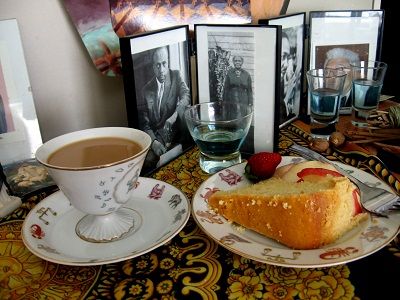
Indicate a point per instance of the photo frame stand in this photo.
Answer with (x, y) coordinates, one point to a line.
(256, 46)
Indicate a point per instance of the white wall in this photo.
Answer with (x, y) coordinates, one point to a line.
(68, 91)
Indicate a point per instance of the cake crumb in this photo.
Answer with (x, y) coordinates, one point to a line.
(221, 202)
(253, 202)
(286, 205)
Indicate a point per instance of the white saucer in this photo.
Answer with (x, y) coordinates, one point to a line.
(367, 238)
(49, 229)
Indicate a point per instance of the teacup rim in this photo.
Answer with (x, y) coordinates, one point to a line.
(46, 164)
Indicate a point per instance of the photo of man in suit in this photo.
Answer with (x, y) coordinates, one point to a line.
(165, 98)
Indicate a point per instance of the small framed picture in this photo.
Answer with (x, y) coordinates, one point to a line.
(340, 38)
(156, 75)
(240, 63)
(292, 66)
(19, 127)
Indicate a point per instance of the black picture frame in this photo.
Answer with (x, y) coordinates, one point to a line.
(164, 121)
(257, 45)
(292, 102)
(356, 34)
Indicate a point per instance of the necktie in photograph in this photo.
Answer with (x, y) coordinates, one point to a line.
(159, 97)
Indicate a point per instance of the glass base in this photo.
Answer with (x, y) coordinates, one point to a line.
(108, 228)
(321, 130)
(213, 164)
(359, 117)
(362, 124)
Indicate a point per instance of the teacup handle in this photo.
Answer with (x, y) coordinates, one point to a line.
(126, 185)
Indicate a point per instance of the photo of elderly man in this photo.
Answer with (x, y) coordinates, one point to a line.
(163, 97)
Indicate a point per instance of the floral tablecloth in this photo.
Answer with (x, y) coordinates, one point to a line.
(192, 265)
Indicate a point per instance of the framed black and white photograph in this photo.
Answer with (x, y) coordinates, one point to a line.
(340, 38)
(19, 127)
(239, 63)
(292, 65)
(156, 74)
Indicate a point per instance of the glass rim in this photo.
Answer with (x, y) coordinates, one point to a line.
(339, 72)
(370, 64)
(195, 106)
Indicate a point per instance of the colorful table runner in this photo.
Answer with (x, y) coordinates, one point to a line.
(192, 265)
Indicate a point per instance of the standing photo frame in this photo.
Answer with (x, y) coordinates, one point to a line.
(239, 63)
(156, 75)
(292, 66)
(19, 127)
(338, 38)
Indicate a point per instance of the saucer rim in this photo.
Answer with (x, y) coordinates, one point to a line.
(90, 262)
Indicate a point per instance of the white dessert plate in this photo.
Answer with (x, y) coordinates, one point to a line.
(49, 229)
(367, 238)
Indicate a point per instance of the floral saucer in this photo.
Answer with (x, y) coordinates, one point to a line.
(367, 238)
(49, 229)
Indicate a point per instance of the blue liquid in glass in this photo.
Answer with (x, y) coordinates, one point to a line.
(366, 94)
(218, 142)
(325, 105)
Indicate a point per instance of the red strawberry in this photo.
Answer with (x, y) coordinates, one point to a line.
(262, 165)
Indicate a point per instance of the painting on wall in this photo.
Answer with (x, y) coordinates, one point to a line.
(92, 21)
(101, 22)
(135, 16)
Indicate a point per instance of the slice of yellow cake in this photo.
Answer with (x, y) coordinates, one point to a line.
(306, 214)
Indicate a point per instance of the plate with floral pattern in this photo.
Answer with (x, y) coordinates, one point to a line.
(49, 229)
(368, 237)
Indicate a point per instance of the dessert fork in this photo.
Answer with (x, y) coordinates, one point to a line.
(375, 200)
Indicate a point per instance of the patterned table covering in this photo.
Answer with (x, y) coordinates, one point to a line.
(192, 265)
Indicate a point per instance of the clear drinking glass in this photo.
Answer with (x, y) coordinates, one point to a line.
(219, 129)
(325, 87)
(367, 84)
